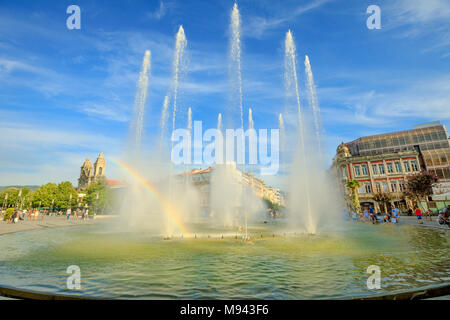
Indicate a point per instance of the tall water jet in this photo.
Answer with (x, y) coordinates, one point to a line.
(163, 122)
(164, 115)
(235, 56)
(189, 121)
(313, 102)
(219, 122)
(281, 123)
(178, 60)
(300, 167)
(251, 123)
(137, 123)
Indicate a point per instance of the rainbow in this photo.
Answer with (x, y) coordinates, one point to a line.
(149, 187)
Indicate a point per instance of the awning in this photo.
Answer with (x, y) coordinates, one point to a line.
(444, 196)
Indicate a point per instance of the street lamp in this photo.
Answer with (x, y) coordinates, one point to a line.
(4, 201)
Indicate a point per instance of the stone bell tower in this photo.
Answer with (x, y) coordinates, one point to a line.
(85, 175)
(99, 167)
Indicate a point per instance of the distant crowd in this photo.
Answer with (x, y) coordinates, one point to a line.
(393, 215)
(13, 215)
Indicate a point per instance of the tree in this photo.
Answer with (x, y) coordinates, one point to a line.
(105, 196)
(420, 185)
(382, 198)
(65, 189)
(352, 186)
(16, 197)
(45, 194)
(272, 205)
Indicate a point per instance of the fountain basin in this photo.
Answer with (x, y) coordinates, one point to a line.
(274, 264)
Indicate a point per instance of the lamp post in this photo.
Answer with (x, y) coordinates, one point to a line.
(96, 204)
(4, 201)
(19, 198)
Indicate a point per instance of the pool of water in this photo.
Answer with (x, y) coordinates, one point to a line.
(273, 265)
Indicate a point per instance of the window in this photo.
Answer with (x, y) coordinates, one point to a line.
(364, 170)
(360, 190)
(375, 169)
(357, 171)
(407, 167)
(389, 167)
(378, 186)
(398, 167)
(414, 165)
(368, 188)
(401, 184)
(385, 186)
(381, 168)
(394, 186)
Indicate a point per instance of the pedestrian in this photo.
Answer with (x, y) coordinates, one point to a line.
(69, 212)
(395, 215)
(428, 213)
(419, 215)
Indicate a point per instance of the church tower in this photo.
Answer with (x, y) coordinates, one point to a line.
(99, 167)
(85, 175)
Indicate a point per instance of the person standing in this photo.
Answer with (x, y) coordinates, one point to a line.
(69, 212)
(395, 215)
(419, 215)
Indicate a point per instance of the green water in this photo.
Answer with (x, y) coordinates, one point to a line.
(287, 266)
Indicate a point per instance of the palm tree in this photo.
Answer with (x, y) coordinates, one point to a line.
(352, 186)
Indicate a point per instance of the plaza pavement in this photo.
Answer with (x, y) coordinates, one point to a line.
(48, 222)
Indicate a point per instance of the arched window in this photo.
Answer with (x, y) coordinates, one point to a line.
(100, 171)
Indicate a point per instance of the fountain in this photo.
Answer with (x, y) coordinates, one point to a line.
(178, 68)
(313, 102)
(203, 255)
(137, 124)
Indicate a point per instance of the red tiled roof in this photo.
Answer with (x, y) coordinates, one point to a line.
(114, 183)
(196, 171)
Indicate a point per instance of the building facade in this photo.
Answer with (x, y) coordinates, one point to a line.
(382, 163)
(91, 174)
(201, 178)
(429, 140)
(376, 173)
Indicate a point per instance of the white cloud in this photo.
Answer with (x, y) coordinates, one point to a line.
(257, 26)
(158, 13)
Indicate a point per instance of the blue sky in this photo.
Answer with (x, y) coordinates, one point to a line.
(68, 94)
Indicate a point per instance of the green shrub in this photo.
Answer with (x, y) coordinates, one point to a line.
(8, 214)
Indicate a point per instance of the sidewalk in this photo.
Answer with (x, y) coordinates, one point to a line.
(412, 220)
(48, 222)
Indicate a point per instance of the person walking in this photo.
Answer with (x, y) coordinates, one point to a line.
(68, 213)
(419, 215)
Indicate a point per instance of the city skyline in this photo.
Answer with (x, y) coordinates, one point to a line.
(68, 94)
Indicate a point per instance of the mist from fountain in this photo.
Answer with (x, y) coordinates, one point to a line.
(312, 204)
(300, 163)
